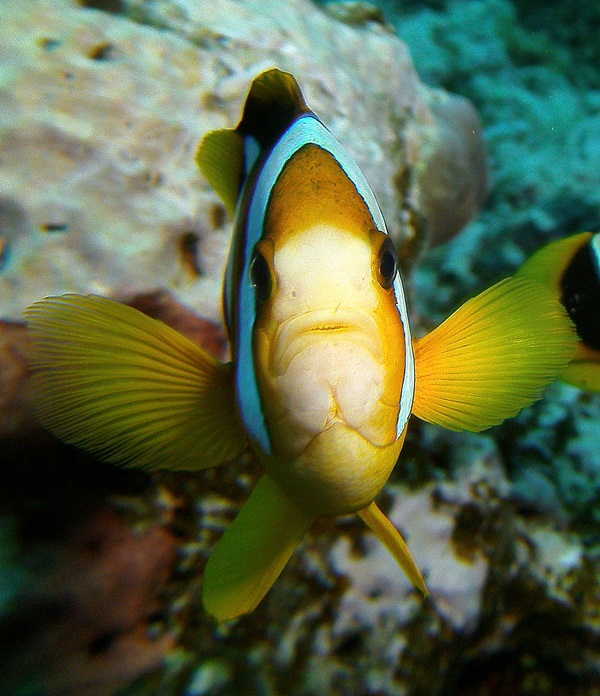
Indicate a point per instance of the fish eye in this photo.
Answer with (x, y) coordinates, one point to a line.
(386, 264)
(260, 276)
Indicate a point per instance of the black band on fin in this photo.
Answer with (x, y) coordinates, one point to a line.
(273, 104)
(580, 294)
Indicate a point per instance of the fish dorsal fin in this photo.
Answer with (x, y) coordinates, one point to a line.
(220, 158)
(550, 265)
(129, 388)
(273, 104)
(492, 357)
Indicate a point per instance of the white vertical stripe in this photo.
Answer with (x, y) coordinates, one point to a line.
(595, 245)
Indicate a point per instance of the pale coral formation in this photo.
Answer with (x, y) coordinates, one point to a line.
(453, 177)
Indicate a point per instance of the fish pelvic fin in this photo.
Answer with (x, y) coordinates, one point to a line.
(492, 357)
(253, 551)
(220, 159)
(129, 388)
(391, 538)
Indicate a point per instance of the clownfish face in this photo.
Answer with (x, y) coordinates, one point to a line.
(329, 342)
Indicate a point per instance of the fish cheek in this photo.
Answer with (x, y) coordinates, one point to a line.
(296, 403)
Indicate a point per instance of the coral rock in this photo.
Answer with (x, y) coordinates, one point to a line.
(102, 115)
(453, 177)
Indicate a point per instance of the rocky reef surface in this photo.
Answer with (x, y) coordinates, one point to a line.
(103, 103)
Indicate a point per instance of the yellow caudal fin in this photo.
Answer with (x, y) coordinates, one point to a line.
(273, 102)
(583, 371)
(391, 538)
(220, 159)
(253, 551)
(548, 264)
(129, 388)
(492, 357)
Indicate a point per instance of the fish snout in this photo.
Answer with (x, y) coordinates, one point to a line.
(327, 368)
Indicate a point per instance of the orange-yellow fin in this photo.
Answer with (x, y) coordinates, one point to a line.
(253, 551)
(220, 158)
(391, 538)
(129, 388)
(548, 264)
(583, 371)
(492, 357)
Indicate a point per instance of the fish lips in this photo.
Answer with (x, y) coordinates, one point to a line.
(331, 325)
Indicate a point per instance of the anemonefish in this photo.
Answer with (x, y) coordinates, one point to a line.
(324, 370)
(570, 267)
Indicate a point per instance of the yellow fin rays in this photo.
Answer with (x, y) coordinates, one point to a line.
(253, 551)
(220, 159)
(492, 357)
(391, 538)
(129, 388)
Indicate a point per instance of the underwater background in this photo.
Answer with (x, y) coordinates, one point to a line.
(102, 105)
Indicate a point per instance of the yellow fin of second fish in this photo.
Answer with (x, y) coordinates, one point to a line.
(492, 357)
(548, 264)
(129, 388)
(253, 551)
(583, 371)
(391, 538)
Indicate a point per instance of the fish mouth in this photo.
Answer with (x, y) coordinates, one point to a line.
(334, 324)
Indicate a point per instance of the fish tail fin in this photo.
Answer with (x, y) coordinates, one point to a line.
(252, 552)
(391, 538)
(129, 388)
(583, 371)
(548, 264)
(492, 357)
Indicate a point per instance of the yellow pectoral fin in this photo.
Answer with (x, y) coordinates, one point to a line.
(253, 551)
(391, 538)
(492, 357)
(129, 388)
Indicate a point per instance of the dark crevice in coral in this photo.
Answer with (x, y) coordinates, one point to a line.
(49, 44)
(55, 227)
(103, 642)
(103, 52)
(112, 6)
(188, 253)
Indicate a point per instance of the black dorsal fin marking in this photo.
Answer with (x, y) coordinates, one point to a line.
(273, 104)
